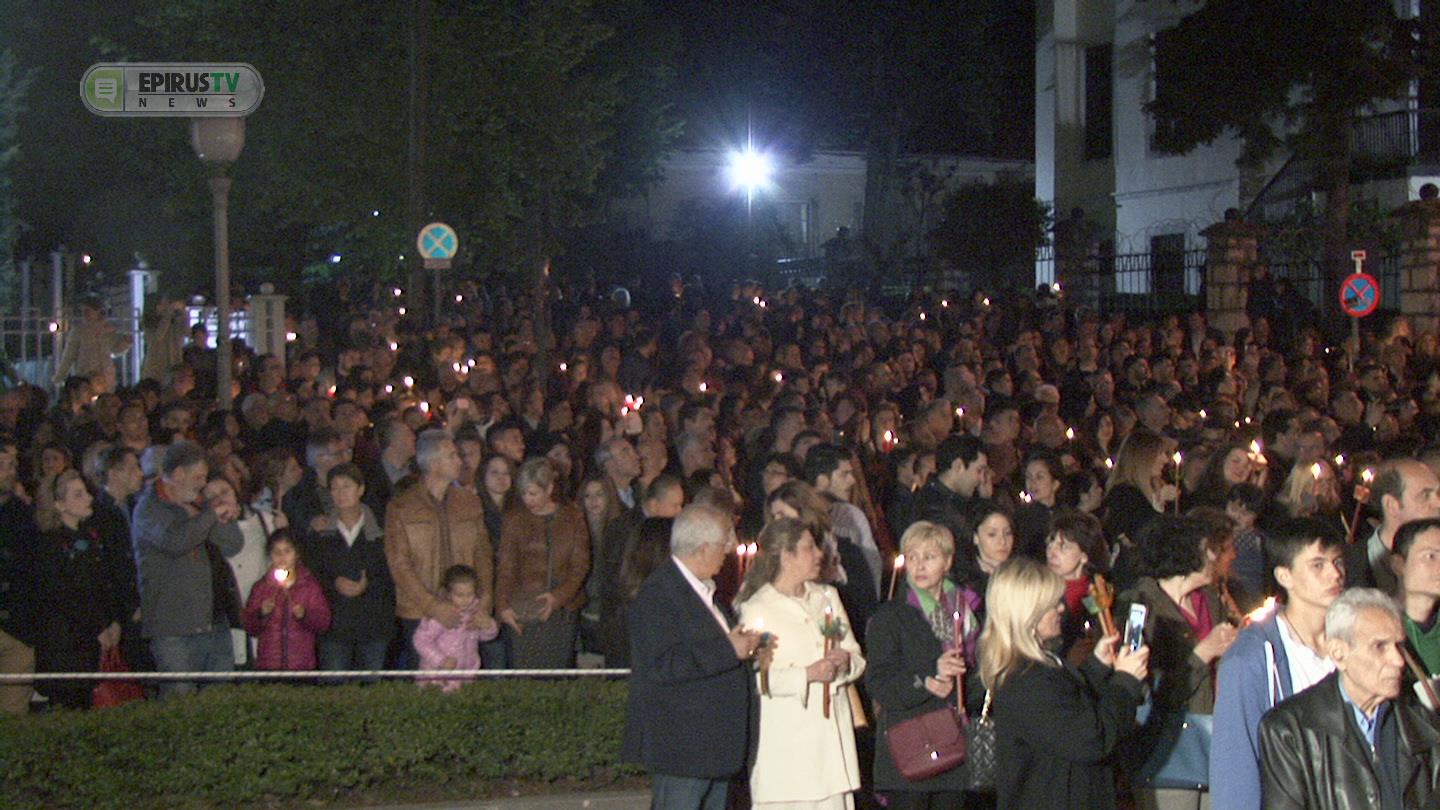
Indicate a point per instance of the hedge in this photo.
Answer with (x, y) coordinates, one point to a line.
(239, 745)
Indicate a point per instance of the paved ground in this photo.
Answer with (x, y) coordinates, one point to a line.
(599, 800)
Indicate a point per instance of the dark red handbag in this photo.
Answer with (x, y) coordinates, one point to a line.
(115, 691)
(928, 745)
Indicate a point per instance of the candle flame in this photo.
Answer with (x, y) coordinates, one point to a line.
(751, 549)
(281, 575)
(899, 561)
(1316, 470)
(1025, 496)
(1262, 612)
(1339, 459)
(408, 380)
(564, 367)
(1177, 458)
(1069, 434)
(704, 387)
(1203, 414)
(1368, 476)
(1109, 463)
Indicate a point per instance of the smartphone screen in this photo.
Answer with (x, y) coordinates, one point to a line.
(1135, 627)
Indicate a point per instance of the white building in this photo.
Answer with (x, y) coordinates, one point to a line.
(1094, 142)
(812, 198)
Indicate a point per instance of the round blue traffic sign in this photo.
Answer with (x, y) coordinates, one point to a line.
(1359, 295)
(437, 241)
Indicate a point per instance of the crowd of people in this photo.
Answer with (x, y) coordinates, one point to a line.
(791, 515)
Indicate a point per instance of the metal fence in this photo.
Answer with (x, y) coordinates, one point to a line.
(1156, 282)
(32, 342)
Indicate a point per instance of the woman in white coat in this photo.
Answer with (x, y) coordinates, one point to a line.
(804, 758)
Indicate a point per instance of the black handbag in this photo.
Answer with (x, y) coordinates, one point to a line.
(928, 745)
(980, 744)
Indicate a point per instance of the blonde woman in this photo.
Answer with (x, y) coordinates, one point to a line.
(914, 660)
(1056, 726)
(804, 759)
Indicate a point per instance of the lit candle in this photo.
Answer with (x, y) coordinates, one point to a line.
(960, 413)
(945, 303)
(408, 380)
(1316, 470)
(281, 575)
(1025, 496)
(1069, 434)
(778, 377)
(985, 300)
(887, 441)
(1203, 414)
(1259, 614)
(1339, 459)
(331, 391)
(895, 573)
(922, 316)
(1109, 463)
(704, 387)
(564, 367)
(1368, 476)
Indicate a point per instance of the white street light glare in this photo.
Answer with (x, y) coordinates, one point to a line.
(751, 170)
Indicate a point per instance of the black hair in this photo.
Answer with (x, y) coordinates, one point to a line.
(1250, 497)
(1173, 546)
(966, 448)
(1073, 487)
(280, 536)
(1292, 537)
(459, 573)
(823, 459)
(1406, 534)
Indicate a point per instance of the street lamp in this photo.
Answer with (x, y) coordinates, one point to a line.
(752, 171)
(218, 142)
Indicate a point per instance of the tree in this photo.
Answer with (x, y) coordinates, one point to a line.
(992, 231)
(1286, 73)
(13, 84)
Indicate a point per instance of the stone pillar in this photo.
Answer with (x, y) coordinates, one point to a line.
(1231, 250)
(1420, 263)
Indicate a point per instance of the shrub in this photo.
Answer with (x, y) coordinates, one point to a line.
(244, 744)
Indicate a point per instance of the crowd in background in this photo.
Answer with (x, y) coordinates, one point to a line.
(494, 490)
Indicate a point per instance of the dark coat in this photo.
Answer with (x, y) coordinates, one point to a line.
(79, 595)
(371, 615)
(17, 586)
(1057, 729)
(692, 709)
(938, 503)
(901, 652)
(1312, 757)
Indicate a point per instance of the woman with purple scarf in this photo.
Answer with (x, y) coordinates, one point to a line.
(915, 661)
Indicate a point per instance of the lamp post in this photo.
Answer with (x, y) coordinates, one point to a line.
(218, 142)
(750, 171)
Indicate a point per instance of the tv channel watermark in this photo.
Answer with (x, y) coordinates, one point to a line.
(176, 89)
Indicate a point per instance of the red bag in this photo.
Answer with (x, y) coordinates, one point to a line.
(118, 691)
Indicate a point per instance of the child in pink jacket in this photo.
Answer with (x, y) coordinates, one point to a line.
(459, 648)
(286, 610)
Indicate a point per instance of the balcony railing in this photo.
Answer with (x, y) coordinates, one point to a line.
(1390, 142)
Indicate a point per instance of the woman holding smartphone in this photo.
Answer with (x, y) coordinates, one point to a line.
(1057, 727)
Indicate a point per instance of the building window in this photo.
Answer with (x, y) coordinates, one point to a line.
(1099, 97)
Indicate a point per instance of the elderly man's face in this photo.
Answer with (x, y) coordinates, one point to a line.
(1371, 664)
(1421, 498)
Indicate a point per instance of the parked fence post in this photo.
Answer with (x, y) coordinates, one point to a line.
(1232, 248)
(1420, 260)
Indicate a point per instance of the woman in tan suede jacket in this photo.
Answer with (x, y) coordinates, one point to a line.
(544, 560)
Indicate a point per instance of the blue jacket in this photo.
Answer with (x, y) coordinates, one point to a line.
(1244, 696)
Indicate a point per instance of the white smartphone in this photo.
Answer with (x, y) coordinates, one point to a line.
(1134, 637)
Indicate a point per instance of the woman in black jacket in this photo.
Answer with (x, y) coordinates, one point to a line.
(1057, 727)
(81, 597)
(914, 661)
(349, 561)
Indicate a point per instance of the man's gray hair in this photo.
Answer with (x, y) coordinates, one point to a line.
(697, 526)
(428, 445)
(181, 454)
(1344, 611)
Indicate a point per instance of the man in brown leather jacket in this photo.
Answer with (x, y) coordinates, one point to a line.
(1353, 740)
(430, 527)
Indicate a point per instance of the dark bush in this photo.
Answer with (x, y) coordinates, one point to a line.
(244, 744)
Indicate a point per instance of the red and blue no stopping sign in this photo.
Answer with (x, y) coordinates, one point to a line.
(1359, 295)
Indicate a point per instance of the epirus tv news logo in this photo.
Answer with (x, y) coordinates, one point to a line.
(133, 89)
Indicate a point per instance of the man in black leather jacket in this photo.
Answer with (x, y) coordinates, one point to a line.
(1352, 740)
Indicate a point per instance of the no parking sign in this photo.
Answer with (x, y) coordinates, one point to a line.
(1359, 292)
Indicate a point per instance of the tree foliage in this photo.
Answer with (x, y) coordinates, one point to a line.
(13, 84)
(533, 106)
(1289, 73)
(992, 231)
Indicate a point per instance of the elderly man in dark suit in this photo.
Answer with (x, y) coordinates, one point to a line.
(1353, 740)
(692, 712)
